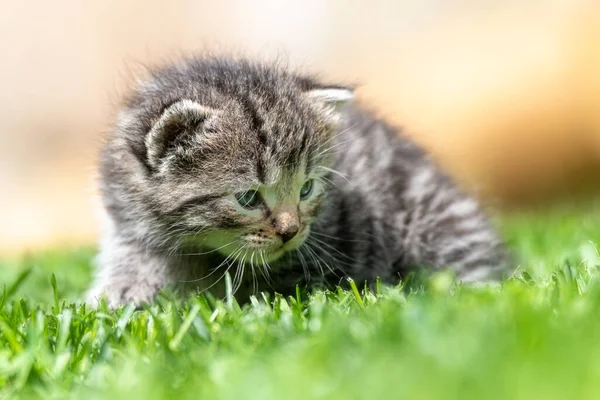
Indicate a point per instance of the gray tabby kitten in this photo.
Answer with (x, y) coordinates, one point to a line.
(220, 165)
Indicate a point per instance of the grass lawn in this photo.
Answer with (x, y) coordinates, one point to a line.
(536, 336)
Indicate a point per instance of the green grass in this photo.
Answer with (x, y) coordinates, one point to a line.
(536, 336)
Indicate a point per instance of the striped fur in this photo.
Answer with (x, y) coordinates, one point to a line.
(198, 131)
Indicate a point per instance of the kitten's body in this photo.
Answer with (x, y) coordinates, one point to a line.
(380, 208)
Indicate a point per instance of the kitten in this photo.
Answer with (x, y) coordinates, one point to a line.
(220, 165)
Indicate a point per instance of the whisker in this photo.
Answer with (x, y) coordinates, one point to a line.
(328, 181)
(253, 274)
(315, 262)
(335, 136)
(333, 171)
(211, 251)
(215, 269)
(304, 266)
(254, 283)
(338, 239)
(327, 265)
(220, 278)
(237, 280)
(333, 248)
(265, 270)
(333, 147)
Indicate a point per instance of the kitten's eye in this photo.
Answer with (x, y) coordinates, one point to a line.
(249, 199)
(306, 189)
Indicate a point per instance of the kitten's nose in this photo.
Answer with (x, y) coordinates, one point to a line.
(288, 235)
(286, 225)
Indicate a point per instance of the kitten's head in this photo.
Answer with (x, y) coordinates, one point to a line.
(236, 154)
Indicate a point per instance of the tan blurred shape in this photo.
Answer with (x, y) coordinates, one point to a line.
(506, 95)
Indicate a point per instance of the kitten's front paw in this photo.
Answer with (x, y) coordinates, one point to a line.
(135, 294)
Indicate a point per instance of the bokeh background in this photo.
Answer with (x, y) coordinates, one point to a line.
(505, 94)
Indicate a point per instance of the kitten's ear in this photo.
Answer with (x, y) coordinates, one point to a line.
(178, 122)
(331, 100)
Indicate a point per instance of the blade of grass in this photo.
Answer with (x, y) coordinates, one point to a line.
(174, 343)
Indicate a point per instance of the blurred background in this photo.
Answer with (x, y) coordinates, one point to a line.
(506, 94)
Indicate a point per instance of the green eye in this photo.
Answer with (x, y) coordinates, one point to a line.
(249, 199)
(306, 189)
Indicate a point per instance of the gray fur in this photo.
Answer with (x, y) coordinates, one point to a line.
(198, 131)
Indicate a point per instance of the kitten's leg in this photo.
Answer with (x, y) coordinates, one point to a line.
(445, 228)
(127, 274)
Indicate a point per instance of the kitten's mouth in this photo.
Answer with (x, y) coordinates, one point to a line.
(297, 241)
(273, 254)
(248, 249)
